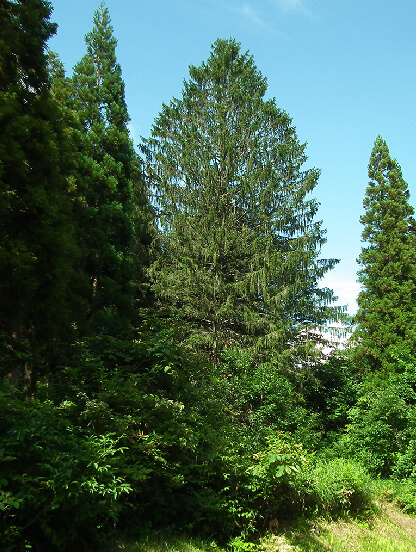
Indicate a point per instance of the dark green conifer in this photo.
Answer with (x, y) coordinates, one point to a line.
(387, 303)
(239, 244)
(106, 167)
(36, 242)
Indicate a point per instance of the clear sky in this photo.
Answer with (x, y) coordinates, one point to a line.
(344, 70)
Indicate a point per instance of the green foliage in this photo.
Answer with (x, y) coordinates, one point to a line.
(387, 312)
(339, 486)
(156, 399)
(107, 179)
(275, 475)
(61, 485)
(405, 466)
(330, 389)
(399, 492)
(36, 234)
(284, 480)
(123, 432)
(133, 425)
(23, 62)
(264, 399)
(239, 244)
(381, 426)
(279, 461)
(238, 544)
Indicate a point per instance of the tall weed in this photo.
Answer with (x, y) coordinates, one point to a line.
(339, 485)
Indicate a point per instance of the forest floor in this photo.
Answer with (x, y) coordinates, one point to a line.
(390, 530)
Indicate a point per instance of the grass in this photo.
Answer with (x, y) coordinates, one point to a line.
(160, 543)
(388, 530)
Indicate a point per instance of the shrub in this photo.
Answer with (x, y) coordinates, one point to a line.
(382, 425)
(339, 485)
(59, 485)
(157, 400)
(285, 480)
(405, 466)
(402, 492)
(276, 475)
(261, 398)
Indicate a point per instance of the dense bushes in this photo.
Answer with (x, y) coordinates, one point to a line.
(382, 424)
(285, 480)
(139, 434)
(60, 485)
(339, 485)
(120, 435)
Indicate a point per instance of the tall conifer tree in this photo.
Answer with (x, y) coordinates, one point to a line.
(36, 243)
(387, 303)
(107, 164)
(239, 244)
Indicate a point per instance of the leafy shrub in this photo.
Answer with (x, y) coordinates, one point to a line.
(382, 424)
(405, 465)
(157, 400)
(332, 390)
(402, 492)
(275, 477)
(260, 397)
(338, 485)
(59, 485)
(289, 480)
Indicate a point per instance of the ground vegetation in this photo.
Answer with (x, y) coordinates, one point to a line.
(161, 315)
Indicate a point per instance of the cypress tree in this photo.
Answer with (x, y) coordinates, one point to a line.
(70, 139)
(106, 166)
(36, 240)
(387, 303)
(239, 244)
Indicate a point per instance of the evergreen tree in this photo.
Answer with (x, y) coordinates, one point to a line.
(239, 244)
(387, 303)
(70, 139)
(107, 164)
(36, 241)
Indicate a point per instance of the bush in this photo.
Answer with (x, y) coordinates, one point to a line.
(157, 400)
(403, 493)
(272, 480)
(60, 486)
(265, 401)
(338, 486)
(289, 480)
(382, 424)
(284, 480)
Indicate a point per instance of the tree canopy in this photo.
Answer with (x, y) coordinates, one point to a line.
(387, 303)
(36, 239)
(239, 241)
(107, 165)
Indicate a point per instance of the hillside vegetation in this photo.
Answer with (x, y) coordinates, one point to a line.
(387, 530)
(162, 318)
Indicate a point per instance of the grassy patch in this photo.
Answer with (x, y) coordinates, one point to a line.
(388, 530)
(161, 543)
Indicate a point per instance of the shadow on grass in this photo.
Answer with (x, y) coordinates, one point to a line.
(163, 543)
(319, 535)
(305, 536)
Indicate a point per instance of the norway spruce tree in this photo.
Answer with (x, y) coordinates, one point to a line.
(106, 166)
(239, 243)
(36, 241)
(387, 303)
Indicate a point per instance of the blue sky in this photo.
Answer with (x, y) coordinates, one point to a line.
(344, 70)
